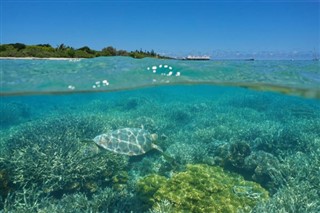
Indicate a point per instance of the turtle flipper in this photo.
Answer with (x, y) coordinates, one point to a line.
(167, 157)
(157, 147)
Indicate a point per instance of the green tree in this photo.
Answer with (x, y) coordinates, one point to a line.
(87, 49)
(18, 46)
(109, 51)
(61, 47)
(122, 53)
(44, 45)
(71, 52)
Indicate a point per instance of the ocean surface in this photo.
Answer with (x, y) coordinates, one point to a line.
(237, 136)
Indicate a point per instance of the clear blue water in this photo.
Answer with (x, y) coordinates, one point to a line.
(50, 110)
(119, 73)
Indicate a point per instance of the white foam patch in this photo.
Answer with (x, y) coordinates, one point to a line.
(105, 83)
(161, 67)
(71, 87)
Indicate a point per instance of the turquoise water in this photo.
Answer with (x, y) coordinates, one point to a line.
(267, 143)
(21, 77)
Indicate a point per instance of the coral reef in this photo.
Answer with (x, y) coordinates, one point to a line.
(4, 186)
(147, 187)
(46, 165)
(34, 200)
(300, 193)
(56, 159)
(179, 114)
(259, 166)
(164, 206)
(13, 113)
(234, 154)
(265, 169)
(300, 197)
(203, 188)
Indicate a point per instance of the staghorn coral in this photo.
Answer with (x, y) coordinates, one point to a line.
(57, 160)
(203, 188)
(300, 197)
(301, 191)
(4, 186)
(34, 200)
(184, 153)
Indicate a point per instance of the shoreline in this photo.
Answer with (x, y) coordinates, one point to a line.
(37, 58)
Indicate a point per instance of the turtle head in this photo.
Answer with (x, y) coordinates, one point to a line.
(154, 137)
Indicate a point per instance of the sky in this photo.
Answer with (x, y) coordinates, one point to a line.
(218, 28)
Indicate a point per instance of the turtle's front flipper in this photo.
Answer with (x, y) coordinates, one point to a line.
(167, 157)
(157, 147)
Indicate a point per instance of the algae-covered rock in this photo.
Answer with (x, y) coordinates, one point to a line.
(203, 188)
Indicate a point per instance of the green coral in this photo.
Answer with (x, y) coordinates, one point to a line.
(203, 188)
(146, 188)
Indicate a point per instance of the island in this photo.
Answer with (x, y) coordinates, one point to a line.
(20, 50)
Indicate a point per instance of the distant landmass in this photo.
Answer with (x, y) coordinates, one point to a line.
(63, 51)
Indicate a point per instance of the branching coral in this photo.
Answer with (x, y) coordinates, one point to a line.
(56, 159)
(301, 191)
(33, 200)
(300, 197)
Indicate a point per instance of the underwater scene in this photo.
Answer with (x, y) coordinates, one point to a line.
(118, 134)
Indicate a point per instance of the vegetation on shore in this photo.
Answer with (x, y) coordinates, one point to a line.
(63, 51)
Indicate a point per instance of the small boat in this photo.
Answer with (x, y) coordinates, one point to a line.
(198, 58)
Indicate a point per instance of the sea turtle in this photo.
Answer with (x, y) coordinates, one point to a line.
(128, 141)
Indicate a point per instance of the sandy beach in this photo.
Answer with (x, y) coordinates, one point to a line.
(35, 58)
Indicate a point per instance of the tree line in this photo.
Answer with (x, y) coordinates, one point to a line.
(63, 51)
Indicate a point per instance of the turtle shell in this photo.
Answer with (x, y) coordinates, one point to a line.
(127, 141)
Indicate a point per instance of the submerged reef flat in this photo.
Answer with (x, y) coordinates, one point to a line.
(225, 150)
(48, 154)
